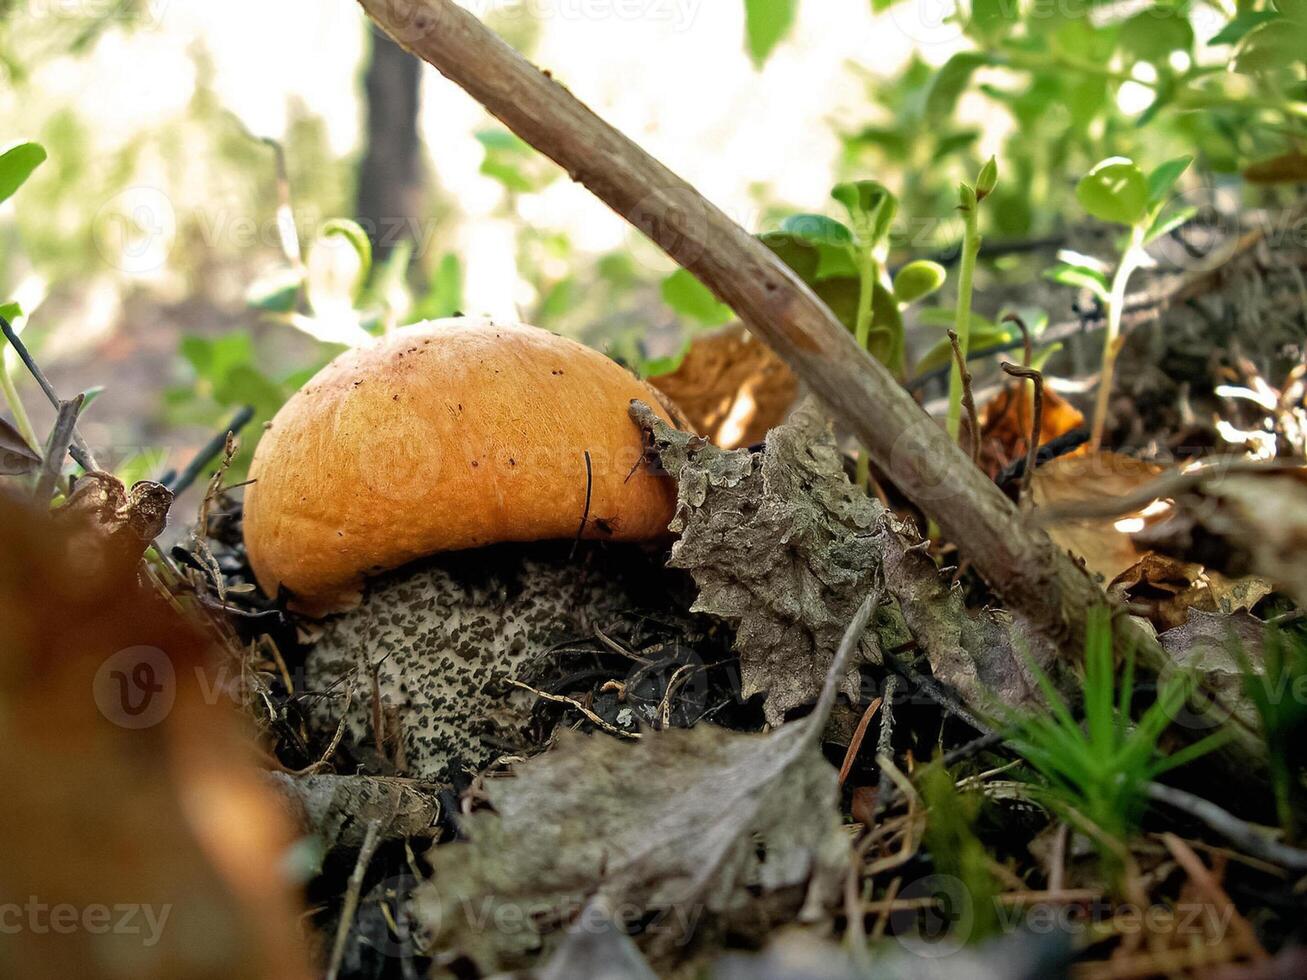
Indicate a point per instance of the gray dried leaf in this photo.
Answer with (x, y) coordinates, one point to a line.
(799, 956)
(595, 947)
(682, 823)
(784, 547)
(338, 809)
(16, 456)
(1207, 643)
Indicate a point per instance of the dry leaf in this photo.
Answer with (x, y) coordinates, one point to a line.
(1169, 588)
(131, 793)
(785, 548)
(1265, 515)
(1006, 421)
(16, 456)
(731, 386)
(1104, 544)
(679, 824)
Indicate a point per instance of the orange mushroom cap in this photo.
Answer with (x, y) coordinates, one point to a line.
(442, 436)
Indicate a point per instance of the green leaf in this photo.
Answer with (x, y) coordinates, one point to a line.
(10, 311)
(871, 205)
(985, 335)
(445, 294)
(1269, 48)
(840, 293)
(967, 197)
(1164, 225)
(338, 264)
(1161, 180)
(766, 23)
(917, 280)
(278, 292)
(656, 367)
(992, 20)
(1238, 28)
(1080, 277)
(357, 238)
(1152, 34)
(693, 300)
(17, 164)
(818, 229)
(1294, 10)
(513, 162)
(1115, 191)
(951, 81)
(987, 180)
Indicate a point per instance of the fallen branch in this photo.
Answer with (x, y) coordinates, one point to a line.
(1018, 560)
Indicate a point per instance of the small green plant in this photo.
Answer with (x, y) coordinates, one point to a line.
(16, 165)
(970, 196)
(956, 850)
(1100, 769)
(1279, 693)
(1118, 192)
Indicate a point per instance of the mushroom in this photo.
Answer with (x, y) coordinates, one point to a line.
(394, 497)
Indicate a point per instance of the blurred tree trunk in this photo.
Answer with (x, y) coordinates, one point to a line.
(391, 191)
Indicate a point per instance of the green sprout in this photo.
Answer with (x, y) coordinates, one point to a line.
(1278, 694)
(1099, 771)
(16, 164)
(970, 197)
(1117, 191)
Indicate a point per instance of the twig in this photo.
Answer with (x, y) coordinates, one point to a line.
(840, 664)
(1167, 485)
(1239, 832)
(61, 436)
(573, 703)
(180, 483)
(1017, 559)
(968, 399)
(1036, 422)
(1028, 345)
(885, 743)
(851, 755)
(351, 903)
(79, 449)
(1202, 879)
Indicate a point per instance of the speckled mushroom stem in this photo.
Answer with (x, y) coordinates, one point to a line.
(1016, 558)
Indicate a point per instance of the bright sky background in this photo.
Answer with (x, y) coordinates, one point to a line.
(672, 74)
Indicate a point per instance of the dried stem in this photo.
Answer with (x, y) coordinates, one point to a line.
(79, 449)
(1028, 345)
(968, 399)
(61, 436)
(1036, 422)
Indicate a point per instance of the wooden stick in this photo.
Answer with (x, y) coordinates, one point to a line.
(1017, 559)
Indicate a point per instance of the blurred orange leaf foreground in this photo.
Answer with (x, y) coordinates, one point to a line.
(138, 841)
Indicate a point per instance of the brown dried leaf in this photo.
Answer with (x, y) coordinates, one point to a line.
(1169, 588)
(1266, 516)
(1007, 418)
(731, 386)
(681, 822)
(1104, 544)
(111, 524)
